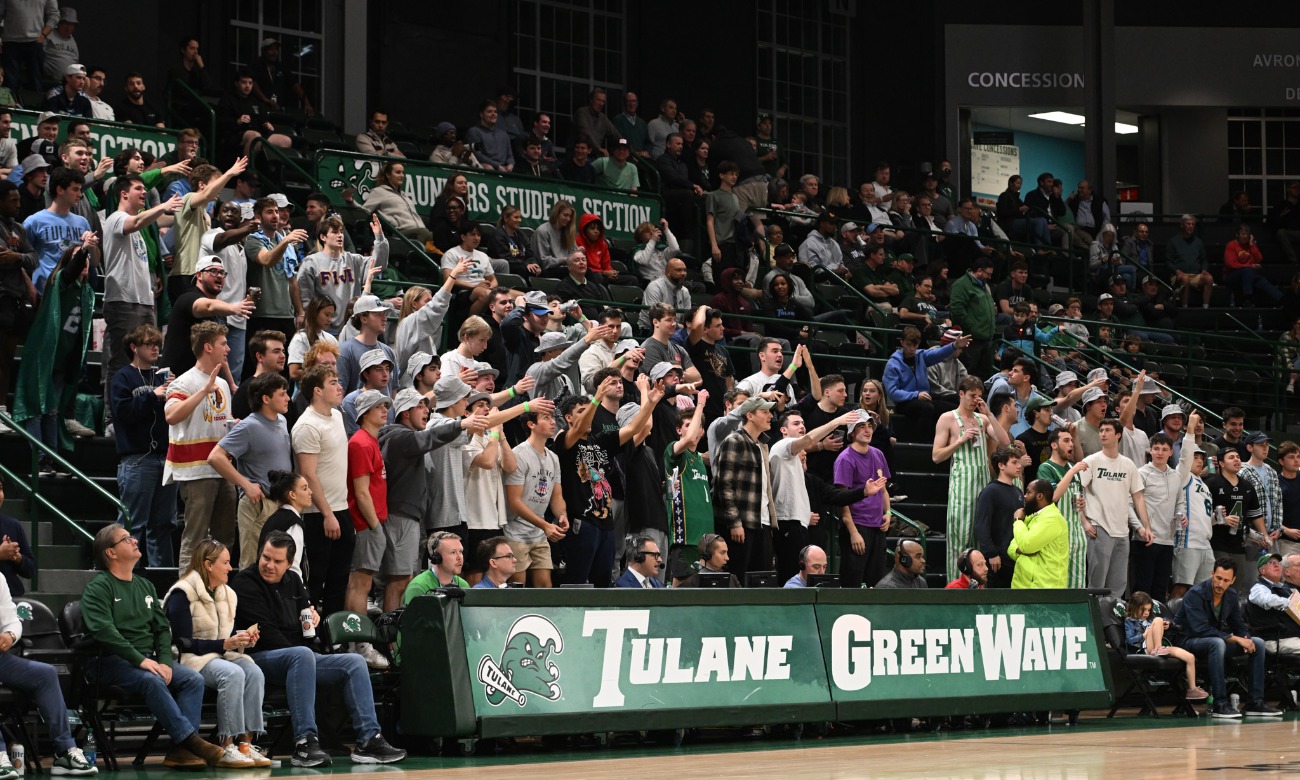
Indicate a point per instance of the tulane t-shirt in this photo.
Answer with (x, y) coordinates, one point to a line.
(50, 234)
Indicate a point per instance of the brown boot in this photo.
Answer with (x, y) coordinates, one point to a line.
(205, 750)
(181, 758)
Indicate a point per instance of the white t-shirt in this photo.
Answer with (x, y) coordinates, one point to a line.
(788, 488)
(485, 498)
(191, 440)
(1108, 485)
(453, 362)
(480, 267)
(235, 262)
(539, 474)
(316, 434)
(298, 345)
(759, 382)
(1134, 445)
(126, 263)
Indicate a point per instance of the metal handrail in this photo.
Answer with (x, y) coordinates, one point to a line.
(32, 490)
(211, 138)
(1172, 331)
(271, 150)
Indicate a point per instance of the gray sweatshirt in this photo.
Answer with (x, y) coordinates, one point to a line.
(551, 374)
(403, 449)
(422, 330)
(24, 20)
(339, 278)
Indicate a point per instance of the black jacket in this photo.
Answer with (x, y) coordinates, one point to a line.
(274, 608)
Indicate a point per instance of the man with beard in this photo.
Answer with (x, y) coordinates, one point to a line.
(198, 304)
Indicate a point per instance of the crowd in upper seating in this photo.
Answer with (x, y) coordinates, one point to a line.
(297, 445)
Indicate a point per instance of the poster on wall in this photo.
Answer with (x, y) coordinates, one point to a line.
(991, 166)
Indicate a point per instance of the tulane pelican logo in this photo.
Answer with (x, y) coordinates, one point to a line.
(525, 665)
(352, 624)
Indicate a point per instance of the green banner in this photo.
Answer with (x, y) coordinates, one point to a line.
(109, 138)
(489, 192)
(570, 660)
(901, 651)
(553, 662)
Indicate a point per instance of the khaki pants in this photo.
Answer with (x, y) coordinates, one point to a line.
(209, 511)
(252, 516)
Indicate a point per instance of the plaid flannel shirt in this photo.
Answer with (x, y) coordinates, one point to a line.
(738, 494)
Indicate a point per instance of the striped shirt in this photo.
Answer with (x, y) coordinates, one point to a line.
(190, 440)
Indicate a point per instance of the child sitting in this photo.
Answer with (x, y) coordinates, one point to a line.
(1145, 635)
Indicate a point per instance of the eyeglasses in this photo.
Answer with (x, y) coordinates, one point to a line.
(127, 538)
(655, 553)
(511, 556)
(216, 272)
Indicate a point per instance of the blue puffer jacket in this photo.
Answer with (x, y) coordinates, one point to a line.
(903, 383)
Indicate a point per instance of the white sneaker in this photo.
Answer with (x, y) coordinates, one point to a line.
(77, 429)
(5, 428)
(234, 758)
(374, 659)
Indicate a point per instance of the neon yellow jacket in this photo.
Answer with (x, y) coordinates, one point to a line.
(1040, 546)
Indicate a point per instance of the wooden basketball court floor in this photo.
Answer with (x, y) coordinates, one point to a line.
(1123, 747)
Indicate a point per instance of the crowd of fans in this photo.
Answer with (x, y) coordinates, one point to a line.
(329, 454)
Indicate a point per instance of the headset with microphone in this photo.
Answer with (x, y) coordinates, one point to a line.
(803, 557)
(434, 542)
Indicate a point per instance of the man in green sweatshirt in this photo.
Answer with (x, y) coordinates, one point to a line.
(124, 615)
(971, 306)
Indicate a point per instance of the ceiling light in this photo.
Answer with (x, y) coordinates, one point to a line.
(1066, 118)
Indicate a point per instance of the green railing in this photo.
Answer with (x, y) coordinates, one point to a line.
(32, 489)
(205, 112)
(271, 151)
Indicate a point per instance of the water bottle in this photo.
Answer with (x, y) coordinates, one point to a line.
(1235, 700)
(90, 749)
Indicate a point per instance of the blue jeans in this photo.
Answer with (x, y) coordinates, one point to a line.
(19, 57)
(41, 682)
(1216, 652)
(178, 707)
(240, 686)
(152, 506)
(237, 338)
(1250, 279)
(1162, 338)
(589, 555)
(46, 426)
(300, 670)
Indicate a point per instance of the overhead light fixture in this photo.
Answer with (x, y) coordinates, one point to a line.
(1066, 118)
(1063, 117)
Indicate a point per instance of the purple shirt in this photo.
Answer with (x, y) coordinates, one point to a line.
(852, 470)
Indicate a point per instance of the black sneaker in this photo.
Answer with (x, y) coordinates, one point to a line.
(377, 751)
(307, 752)
(1223, 709)
(1261, 710)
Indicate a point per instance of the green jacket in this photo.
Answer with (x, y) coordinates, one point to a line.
(971, 305)
(126, 618)
(32, 394)
(1040, 546)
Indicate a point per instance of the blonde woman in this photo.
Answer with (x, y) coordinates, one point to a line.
(554, 241)
(201, 610)
(837, 198)
(419, 321)
(872, 399)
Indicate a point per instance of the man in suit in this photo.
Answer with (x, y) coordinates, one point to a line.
(643, 567)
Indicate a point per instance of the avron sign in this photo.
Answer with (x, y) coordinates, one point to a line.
(559, 662)
(491, 192)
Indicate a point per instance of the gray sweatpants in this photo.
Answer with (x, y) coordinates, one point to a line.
(1108, 563)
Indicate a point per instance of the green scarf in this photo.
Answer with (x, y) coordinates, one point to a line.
(32, 396)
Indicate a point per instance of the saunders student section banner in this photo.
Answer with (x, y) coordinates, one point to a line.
(537, 662)
(489, 192)
(108, 138)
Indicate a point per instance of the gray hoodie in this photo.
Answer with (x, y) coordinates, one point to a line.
(403, 449)
(422, 330)
(550, 374)
(339, 278)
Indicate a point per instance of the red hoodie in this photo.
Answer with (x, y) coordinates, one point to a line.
(598, 259)
(1236, 256)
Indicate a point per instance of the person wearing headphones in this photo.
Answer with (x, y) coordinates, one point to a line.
(909, 568)
(446, 559)
(974, 571)
(713, 559)
(643, 566)
(812, 560)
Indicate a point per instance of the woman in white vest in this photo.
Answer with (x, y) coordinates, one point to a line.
(201, 610)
